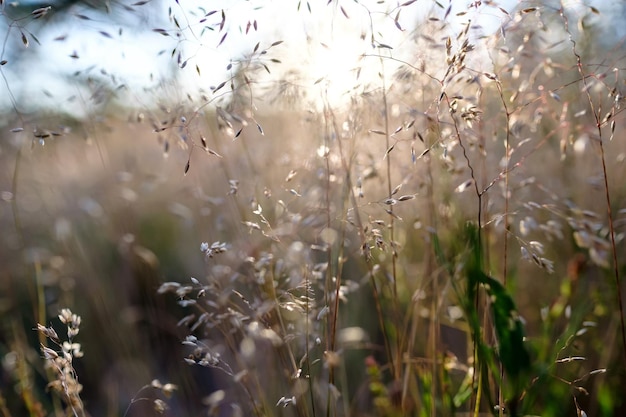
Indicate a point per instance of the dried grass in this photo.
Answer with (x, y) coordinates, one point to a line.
(442, 241)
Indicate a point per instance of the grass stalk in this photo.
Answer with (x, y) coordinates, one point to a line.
(599, 125)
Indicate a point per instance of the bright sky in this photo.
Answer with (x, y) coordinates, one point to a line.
(123, 49)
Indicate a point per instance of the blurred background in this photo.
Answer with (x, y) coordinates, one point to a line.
(132, 132)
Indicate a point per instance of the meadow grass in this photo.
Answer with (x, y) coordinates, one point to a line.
(445, 242)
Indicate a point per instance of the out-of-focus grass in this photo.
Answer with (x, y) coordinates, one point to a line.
(105, 222)
(322, 264)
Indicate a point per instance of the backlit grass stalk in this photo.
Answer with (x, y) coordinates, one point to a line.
(477, 334)
(377, 294)
(397, 369)
(331, 323)
(505, 249)
(395, 363)
(599, 125)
